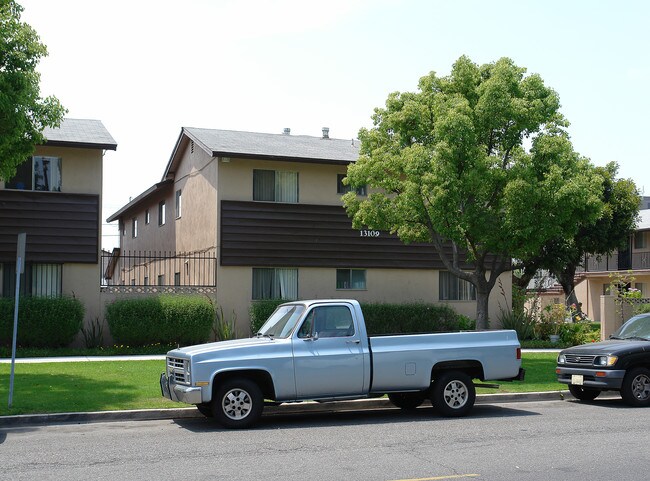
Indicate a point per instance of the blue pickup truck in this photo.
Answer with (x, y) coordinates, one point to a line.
(319, 350)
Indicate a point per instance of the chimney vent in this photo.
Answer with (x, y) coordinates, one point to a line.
(287, 131)
(326, 132)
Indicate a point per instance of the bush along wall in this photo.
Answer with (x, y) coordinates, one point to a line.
(47, 322)
(166, 319)
(384, 318)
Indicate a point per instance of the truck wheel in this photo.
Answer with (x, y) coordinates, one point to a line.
(583, 393)
(635, 389)
(237, 403)
(407, 400)
(205, 409)
(453, 393)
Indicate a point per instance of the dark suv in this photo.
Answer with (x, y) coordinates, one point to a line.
(620, 364)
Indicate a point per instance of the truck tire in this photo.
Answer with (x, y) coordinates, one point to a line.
(583, 393)
(453, 393)
(205, 409)
(635, 389)
(407, 400)
(237, 403)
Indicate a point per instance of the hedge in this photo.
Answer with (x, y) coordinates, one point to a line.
(165, 319)
(47, 322)
(382, 318)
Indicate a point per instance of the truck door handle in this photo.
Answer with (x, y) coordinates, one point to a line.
(356, 341)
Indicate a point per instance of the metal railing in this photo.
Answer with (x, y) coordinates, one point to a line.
(616, 262)
(159, 269)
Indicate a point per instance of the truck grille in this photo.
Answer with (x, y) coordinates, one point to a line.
(177, 370)
(580, 359)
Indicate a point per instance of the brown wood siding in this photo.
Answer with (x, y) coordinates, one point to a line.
(267, 234)
(60, 227)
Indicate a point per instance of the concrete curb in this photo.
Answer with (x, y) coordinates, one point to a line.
(288, 408)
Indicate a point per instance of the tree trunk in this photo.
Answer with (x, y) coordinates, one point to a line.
(566, 278)
(482, 303)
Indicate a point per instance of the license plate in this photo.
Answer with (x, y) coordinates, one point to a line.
(577, 379)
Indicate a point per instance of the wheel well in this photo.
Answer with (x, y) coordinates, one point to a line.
(472, 368)
(259, 377)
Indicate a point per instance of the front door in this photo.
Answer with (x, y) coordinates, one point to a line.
(328, 354)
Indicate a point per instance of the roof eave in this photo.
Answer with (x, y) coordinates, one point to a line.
(145, 195)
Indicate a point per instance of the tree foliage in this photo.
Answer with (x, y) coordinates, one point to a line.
(23, 113)
(479, 159)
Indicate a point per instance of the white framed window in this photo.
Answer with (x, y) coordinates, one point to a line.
(350, 278)
(39, 173)
(275, 186)
(179, 203)
(161, 212)
(341, 188)
(147, 217)
(451, 288)
(275, 283)
(134, 227)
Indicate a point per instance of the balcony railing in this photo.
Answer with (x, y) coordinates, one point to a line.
(617, 262)
(159, 269)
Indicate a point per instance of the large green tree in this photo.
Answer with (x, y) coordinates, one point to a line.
(562, 256)
(478, 160)
(23, 113)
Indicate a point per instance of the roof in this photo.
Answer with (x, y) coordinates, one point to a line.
(254, 144)
(644, 220)
(153, 190)
(82, 133)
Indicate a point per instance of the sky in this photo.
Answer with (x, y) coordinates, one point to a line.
(147, 68)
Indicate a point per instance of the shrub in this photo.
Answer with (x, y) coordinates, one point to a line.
(167, 319)
(522, 322)
(261, 310)
(42, 321)
(642, 308)
(412, 318)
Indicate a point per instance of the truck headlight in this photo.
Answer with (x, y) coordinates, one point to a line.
(605, 360)
(561, 359)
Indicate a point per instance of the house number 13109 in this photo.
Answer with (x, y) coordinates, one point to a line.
(369, 233)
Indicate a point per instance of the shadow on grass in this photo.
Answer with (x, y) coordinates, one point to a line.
(61, 393)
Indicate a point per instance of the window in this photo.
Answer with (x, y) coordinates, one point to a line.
(161, 212)
(134, 227)
(275, 186)
(41, 280)
(350, 278)
(146, 281)
(327, 321)
(161, 279)
(639, 240)
(177, 278)
(454, 289)
(178, 203)
(41, 173)
(147, 217)
(341, 188)
(272, 283)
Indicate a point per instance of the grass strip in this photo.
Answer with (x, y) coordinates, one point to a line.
(41, 388)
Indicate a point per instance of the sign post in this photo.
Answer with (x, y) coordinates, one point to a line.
(20, 268)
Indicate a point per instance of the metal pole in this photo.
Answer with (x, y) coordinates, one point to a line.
(20, 256)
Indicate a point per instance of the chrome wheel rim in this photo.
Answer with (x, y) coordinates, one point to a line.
(236, 404)
(641, 387)
(455, 394)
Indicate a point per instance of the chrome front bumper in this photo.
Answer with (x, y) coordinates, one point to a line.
(178, 393)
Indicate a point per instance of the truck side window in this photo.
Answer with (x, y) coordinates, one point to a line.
(328, 321)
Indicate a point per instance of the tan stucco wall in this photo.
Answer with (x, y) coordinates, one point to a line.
(234, 290)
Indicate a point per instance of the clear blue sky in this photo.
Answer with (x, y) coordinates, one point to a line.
(147, 68)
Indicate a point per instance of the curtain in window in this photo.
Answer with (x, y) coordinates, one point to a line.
(47, 173)
(288, 279)
(451, 288)
(358, 279)
(286, 187)
(46, 280)
(264, 185)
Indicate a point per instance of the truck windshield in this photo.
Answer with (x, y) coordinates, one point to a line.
(282, 321)
(636, 328)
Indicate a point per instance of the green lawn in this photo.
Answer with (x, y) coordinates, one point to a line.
(114, 385)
